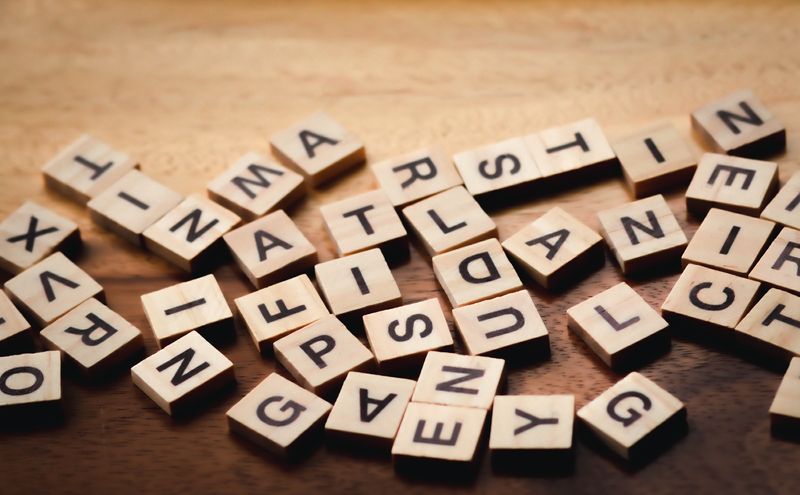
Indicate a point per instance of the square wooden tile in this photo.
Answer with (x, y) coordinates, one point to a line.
(15, 331)
(525, 424)
(570, 147)
(785, 206)
(772, 326)
(785, 409)
(497, 166)
(416, 175)
(780, 264)
(458, 380)
(30, 379)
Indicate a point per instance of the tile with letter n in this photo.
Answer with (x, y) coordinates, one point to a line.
(642, 234)
(785, 206)
(182, 374)
(458, 380)
(190, 235)
(620, 327)
(179, 309)
(94, 338)
(772, 327)
(578, 146)
(635, 417)
(730, 183)
(784, 412)
(739, 124)
(416, 175)
(475, 272)
(496, 167)
(556, 249)
(277, 310)
(51, 287)
(279, 416)
(132, 204)
(15, 331)
(449, 220)
(32, 232)
(85, 168)
(270, 249)
(30, 381)
(780, 264)
(318, 147)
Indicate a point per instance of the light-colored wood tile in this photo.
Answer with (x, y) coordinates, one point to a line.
(497, 166)
(784, 411)
(780, 264)
(458, 380)
(772, 326)
(15, 331)
(30, 379)
(570, 147)
(416, 175)
(785, 206)
(532, 422)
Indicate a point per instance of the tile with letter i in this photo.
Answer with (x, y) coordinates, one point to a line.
(416, 175)
(30, 381)
(785, 206)
(495, 167)
(458, 380)
(15, 331)
(573, 147)
(780, 264)
(772, 327)
(85, 168)
(182, 374)
(784, 412)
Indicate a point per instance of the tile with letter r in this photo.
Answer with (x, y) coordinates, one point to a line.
(571, 147)
(779, 266)
(416, 175)
(772, 327)
(15, 331)
(30, 381)
(785, 206)
(784, 411)
(458, 380)
(496, 167)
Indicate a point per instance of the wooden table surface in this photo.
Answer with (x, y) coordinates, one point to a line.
(188, 87)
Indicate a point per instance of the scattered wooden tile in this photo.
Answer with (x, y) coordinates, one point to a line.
(780, 264)
(85, 168)
(570, 147)
(32, 232)
(413, 176)
(785, 409)
(633, 416)
(318, 147)
(279, 416)
(277, 310)
(739, 124)
(772, 327)
(28, 380)
(496, 166)
(270, 249)
(457, 380)
(182, 373)
(51, 287)
(730, 183)
(449, 220)
(132, 204)
(620, 327)
(475, 272)
(555, 248)
(642, 234)
(15, 331)
(785, 206)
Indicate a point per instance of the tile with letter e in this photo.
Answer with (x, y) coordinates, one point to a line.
(785, 206)
(784, 412)
(780, 264)
(457, 380)
(279, 416)
(642, 234)
(576, 146)
(179, 309)
(132, 204)
(739, 124)
(416, 175)
(731, 183)
(620, 327)
(15, 331)
(30, 381)
(495, 167)
(190, 235)
(277, 310)
(255, 186)
(318, 147)
(93, 337)
(449, 220)
(51, 287)
(556, 248)
(32, 232)
(772, 327)
(475, 272)
(183, 373)
(270, 249)
(85, 168)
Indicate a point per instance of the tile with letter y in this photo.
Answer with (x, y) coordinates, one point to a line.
(500, 166)
(784, 411)
(458, 380)
(416, 175)
(772, 327)
(779, 266)
(785, 206)
(15, 331)
(30, 382)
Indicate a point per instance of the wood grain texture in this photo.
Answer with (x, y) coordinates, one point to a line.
(189, 88)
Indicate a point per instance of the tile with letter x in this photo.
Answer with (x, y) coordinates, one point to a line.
(15, 331)
(279, 416)
(32, 232)
(416, 175)
(458, 380)
(780, 264)
(494, 167)
(785, 206)
(572, 147)
(30, 380)
(179, 309)
(183, 373)
(772, 327)
(785, 409)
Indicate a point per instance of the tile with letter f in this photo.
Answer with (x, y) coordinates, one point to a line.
(779, 266)
(458, 380)
(30, 381)
(416, 175)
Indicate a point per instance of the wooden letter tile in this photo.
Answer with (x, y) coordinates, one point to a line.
(496, 167)
(780, 264)
(785, 409)
(416, 175)
(457, 380)
(772, 326)
(15, 332)
(570, 147)
(785, 206)
(28, 380)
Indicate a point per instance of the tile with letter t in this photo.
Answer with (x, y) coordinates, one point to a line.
(85, 168)
(785, 206)
(572, 147)
(30, 381)
(449, 220)
(15, 331)
(620, 327)
(739, 124)
(634, 417)
(458, 380)
(772, 327)
(277, 310)
(730, 183)
(179, 309)
(780, 264)
(784, 412)
(255, 186)
(495, 167)
(318, 147)
(279, 416)
(271, 249)
(642, 234)
(183, 373)
(32, 232)
(416, 175)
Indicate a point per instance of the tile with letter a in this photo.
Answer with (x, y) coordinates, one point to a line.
(634, 417)
(416, 175)
(51, 287)
(277, 310)
(318, 147)
(183, 373)
(739, 124)
(556, 248)
(620, 327)
(15, 331)
(32, 232)
(785, 409)
(132, 204)
(780, 264)
(271, 249)
(785, 206)
(642, 234)
(255, 186)
(458, 380)
(495, 167)
(279, 416)
(772, 327)
(576, 146)
(191, 233)
(93, 337)
(86, 168)
(449, 220)
(179, 309)
(28, 380)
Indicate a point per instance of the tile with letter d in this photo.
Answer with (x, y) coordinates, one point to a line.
(785, 206)
(772, 327)
(458, 380)
(569, 148)
(779, 266)
(785, 409)
(416, 175)
(498, 166)
(30, 380)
